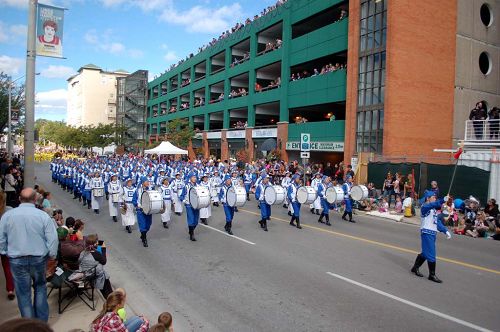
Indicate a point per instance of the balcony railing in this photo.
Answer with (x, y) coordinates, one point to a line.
(483, 131)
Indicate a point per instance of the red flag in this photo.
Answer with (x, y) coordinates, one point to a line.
(457, 154)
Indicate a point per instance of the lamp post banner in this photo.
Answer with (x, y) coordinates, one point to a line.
(49, 31)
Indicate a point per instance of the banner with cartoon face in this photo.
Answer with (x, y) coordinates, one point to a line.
(49, 31)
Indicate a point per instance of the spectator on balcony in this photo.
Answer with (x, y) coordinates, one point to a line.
(478, 115)
(221, 97)
(258, 87)
(494, 122)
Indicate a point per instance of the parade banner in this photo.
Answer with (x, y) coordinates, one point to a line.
(49, 31)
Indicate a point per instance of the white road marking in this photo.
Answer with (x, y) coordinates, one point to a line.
(231, 236)
(412, 304)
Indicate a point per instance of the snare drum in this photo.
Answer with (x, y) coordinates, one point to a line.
(274, 195)
(236, 196)
(151, 202)
(115, 198)
(98, 192)
(199, 197)
(359, 192)
(306, 195)
(334, 195)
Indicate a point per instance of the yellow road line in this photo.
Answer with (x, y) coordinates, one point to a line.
(385, 245)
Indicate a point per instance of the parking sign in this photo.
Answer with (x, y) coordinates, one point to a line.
(305, 142)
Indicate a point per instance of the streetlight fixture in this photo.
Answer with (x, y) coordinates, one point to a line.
(9, 130)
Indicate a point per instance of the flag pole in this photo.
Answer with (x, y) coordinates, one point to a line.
(456, 155)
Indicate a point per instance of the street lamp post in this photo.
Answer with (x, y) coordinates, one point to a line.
(9, 131)
(29, 127)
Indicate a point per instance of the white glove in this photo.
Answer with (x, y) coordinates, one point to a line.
(448, 235)
(446, 198)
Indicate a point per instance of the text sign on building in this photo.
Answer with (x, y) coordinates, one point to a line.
(318, 146)
(264, 133)
(305, 142)
(235, 134)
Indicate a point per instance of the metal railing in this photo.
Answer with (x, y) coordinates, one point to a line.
(482, 131)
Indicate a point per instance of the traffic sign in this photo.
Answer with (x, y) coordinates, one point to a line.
(305, 142)
(305, 155)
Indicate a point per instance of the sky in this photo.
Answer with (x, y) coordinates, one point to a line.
(115, 34)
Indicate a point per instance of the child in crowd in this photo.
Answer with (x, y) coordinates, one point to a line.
(384, 206)
(165, 319)
(398, 208)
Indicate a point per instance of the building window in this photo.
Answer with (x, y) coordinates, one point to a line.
(371, 79)
(486, 15)
(485, 63)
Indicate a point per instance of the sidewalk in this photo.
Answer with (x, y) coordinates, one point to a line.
(415, 220)
(76, 316)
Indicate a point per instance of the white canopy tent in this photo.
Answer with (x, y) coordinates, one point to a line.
(166, 148)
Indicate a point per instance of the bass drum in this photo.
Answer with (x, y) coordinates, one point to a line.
(236, 196)
(334, 195)
(152, 202)
(199, 197)
(274, 195)
(306, 195)
(359, 193)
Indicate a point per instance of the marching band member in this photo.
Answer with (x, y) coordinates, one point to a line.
(86, 189)
(235, 179)
(431, 223)
(177, 187)
(96, 183)
(265, 209)
(247, 181)
(166, 194)
(322, 187)
(115, 191)
(228, 210)
(285, 183)
(346, 187)
(106, 177)
(128, 219)
(205, 213)
(316, 205)
(192, 214)
(143, 219)
(160, 177)
(292, 198)
(215, 184)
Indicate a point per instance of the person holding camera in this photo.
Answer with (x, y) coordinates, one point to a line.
(94, 256)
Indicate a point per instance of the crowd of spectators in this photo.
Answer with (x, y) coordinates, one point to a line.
(324, 70)
(237, 93)
(238, 26)
(185, 82)
(70, 250)
(479, 114)
(240, 125)
(199, 102)
(273, 84)
(271, 46)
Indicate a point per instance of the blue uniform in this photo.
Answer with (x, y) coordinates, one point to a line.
(430, 225)
(143, 219)
(193, 215)
(265, 209)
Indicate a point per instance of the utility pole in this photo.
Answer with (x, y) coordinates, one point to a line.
(9, 131)
(29, 128)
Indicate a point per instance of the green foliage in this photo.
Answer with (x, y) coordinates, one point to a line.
(85, 136)
(17, 101)
(179, 133)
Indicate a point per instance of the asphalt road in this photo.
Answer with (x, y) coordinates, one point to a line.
(349, 277)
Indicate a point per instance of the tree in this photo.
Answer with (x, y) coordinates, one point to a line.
(179, 133)
(17, 101)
